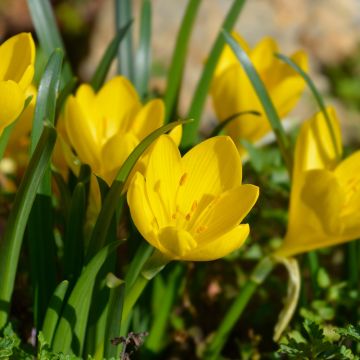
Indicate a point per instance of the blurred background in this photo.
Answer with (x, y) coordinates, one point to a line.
(329, 30)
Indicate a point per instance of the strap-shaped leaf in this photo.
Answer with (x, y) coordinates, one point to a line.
(70, 333)
(47, 31)
(191, 136)
(143, 58)
(177, 65)
(123, 14)
(10, 244)
(54, 310)
(109, 55)
(46, 99)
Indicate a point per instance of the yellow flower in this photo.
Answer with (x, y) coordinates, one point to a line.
(232, 91)
(104, 128)
(190, 208)
(325, 195)
(17, 56)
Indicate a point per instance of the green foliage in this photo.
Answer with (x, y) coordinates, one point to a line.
(316, 342)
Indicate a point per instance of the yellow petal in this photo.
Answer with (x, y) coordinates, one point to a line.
(314, 147)
(348, 176)
(114, 153)
(80, 132)
(176, 134)
(228, 57)
(308, 238)
(118, 102)
(17, 56)
(11, 103)
(163, 175)
(85, 95)
(263, 54)
(177, 243)
(221, 246)
(224, 213)
(232, 93)
(211, 167)
(149, 118)
(323, 194)
(286, 94)
(141, 212)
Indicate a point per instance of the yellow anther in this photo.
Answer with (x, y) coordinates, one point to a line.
(183, 179)
(194, 206)
(187, 217)
(157, 186)
(201, 229)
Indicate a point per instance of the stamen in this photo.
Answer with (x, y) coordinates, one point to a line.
(183, 179)
(201, 229)
(157, 186)
(194, 206)
(188, 217)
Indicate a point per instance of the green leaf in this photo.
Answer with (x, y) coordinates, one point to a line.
(42, 251)
(47, 31)
(143, 58)
(63, 95)
(11, 242)
(190, 136)
(4, 138)
(116, 301)
(70, 333)
(53, 311)
(123, 15)
(231, 118)
(74, 239)
(112, 199)
(46, 98)
(177, 65)
(40, 227)
(264, 98)
(64, 193)
(157, 332)
(316, 95)
(109, 55)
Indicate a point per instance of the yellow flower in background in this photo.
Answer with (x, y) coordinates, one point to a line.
(104, 128)
(191, 207)
(325, 194)
(232, 91)
(17, 56)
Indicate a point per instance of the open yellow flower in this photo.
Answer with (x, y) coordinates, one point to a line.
(104, 128)
(325, 195)
(191, 207)
(17, 56)
(232, 91)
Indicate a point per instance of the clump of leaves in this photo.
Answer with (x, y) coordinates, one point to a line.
(316, 342)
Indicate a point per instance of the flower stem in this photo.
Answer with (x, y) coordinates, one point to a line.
(258, 275)
(133, 295)
(314, 269)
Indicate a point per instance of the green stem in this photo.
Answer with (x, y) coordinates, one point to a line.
(353, 267)
(259, 274)
(133, 295)
(314, 269)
